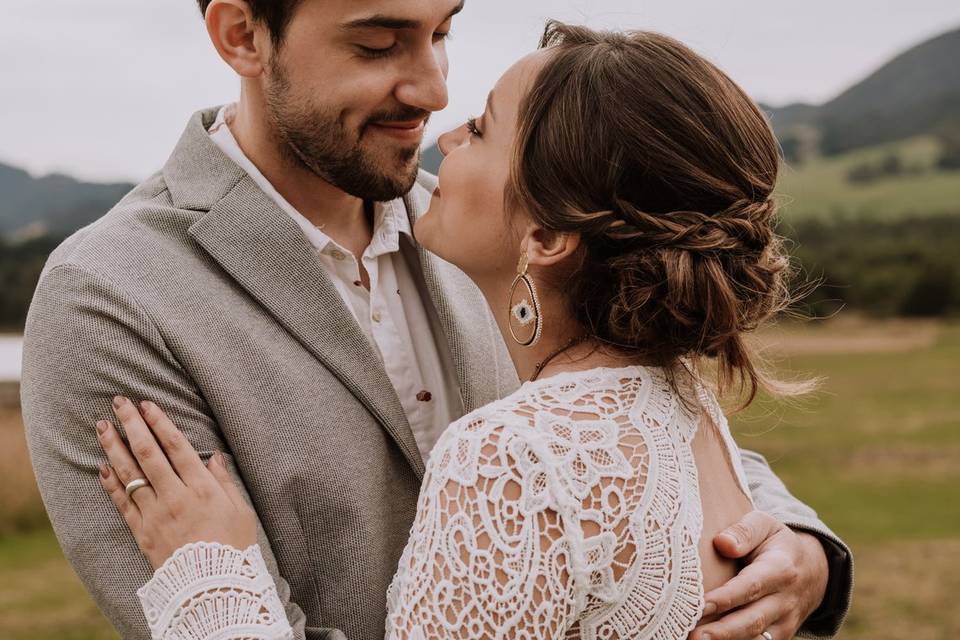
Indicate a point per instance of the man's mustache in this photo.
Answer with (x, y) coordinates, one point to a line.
(406, 114)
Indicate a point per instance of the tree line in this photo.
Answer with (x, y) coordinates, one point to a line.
(905, 267)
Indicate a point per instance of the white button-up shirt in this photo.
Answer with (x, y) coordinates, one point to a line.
(391, 314)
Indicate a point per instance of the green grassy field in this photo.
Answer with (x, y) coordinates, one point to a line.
(819, 187)
(876, 452)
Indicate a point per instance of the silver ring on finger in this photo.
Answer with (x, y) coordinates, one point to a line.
(133, 485)
(766, 635)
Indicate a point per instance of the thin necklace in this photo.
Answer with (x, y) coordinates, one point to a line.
(540, 365)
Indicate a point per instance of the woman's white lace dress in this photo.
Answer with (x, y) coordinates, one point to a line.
(569, 509)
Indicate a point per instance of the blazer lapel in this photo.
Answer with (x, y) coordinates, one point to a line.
(265, 251)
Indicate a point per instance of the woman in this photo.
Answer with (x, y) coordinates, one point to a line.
(613, 201)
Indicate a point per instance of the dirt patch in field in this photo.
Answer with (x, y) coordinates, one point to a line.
(848, 334)
(906, 590)
(907, 460)
(20, 505)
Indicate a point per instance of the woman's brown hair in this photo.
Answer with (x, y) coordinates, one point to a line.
(666, 168)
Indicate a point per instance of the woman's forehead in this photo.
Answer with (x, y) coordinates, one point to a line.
(517, 80)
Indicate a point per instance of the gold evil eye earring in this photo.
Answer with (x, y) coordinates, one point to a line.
(526, 322)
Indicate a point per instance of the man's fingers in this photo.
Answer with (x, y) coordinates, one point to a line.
(150, 457)
(114, 488)
(739, 539)
(754, 581)
(744, 624)
(180, 452)
(125, 467)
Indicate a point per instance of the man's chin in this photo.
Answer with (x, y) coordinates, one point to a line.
(403, 168)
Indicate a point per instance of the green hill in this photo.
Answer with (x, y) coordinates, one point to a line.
(918, 92)
(54, 204)
(828, 187)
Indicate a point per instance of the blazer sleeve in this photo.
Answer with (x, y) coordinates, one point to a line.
(86, 341)
(771, 495)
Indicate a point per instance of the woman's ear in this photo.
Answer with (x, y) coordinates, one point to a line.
(238, 38)
(546, 248)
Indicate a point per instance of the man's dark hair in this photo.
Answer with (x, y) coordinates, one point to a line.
(276, 14)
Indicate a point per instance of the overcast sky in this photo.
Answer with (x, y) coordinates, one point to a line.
(102, 89)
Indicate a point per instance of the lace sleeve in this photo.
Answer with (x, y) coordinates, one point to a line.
(214, 591)
(486, 556)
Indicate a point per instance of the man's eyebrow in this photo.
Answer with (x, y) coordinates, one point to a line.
(382, 21)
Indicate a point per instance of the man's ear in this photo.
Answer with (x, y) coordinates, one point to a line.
(546, 248)
(240, 40)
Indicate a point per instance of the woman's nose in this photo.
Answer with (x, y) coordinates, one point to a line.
(452, 139)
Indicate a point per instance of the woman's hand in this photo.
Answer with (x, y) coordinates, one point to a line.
(185, 501)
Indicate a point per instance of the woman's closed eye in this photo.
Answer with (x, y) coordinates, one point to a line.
(473, 129)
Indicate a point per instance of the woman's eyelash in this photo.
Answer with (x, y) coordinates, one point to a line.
(473, 129)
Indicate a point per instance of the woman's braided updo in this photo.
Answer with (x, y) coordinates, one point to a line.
(666, 168)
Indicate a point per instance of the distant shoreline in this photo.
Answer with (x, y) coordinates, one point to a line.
(11, 352)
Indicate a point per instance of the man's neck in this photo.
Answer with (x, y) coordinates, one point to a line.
(340, 215)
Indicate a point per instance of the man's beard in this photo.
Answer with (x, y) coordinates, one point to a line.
(319, 141)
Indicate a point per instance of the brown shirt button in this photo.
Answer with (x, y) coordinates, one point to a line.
(424, 396)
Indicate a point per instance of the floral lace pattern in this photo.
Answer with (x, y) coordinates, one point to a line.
(569, 509)
(214, 592)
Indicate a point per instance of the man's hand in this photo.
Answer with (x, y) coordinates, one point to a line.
(783, 583)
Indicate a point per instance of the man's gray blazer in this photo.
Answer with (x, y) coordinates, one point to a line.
(197, 292)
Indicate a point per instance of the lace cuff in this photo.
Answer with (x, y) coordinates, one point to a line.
(213, 591)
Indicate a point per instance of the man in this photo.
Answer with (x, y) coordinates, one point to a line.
(265, 290)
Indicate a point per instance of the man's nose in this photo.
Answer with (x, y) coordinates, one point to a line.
(425, 86)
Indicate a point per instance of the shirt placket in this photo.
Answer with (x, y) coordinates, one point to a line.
(399, 365)
(346, 276)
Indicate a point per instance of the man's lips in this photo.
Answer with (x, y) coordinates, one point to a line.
(407, 125)
(408, 132)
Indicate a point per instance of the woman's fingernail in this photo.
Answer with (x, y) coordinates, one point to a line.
(218, 457)
(102, 427)
(118, 401)
(705, 636)
(104, 471)
(710, 609)
(145, 405)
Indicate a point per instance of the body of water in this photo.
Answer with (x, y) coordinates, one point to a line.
(11, 354)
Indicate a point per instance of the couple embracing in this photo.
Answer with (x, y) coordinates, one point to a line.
(293, 387)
